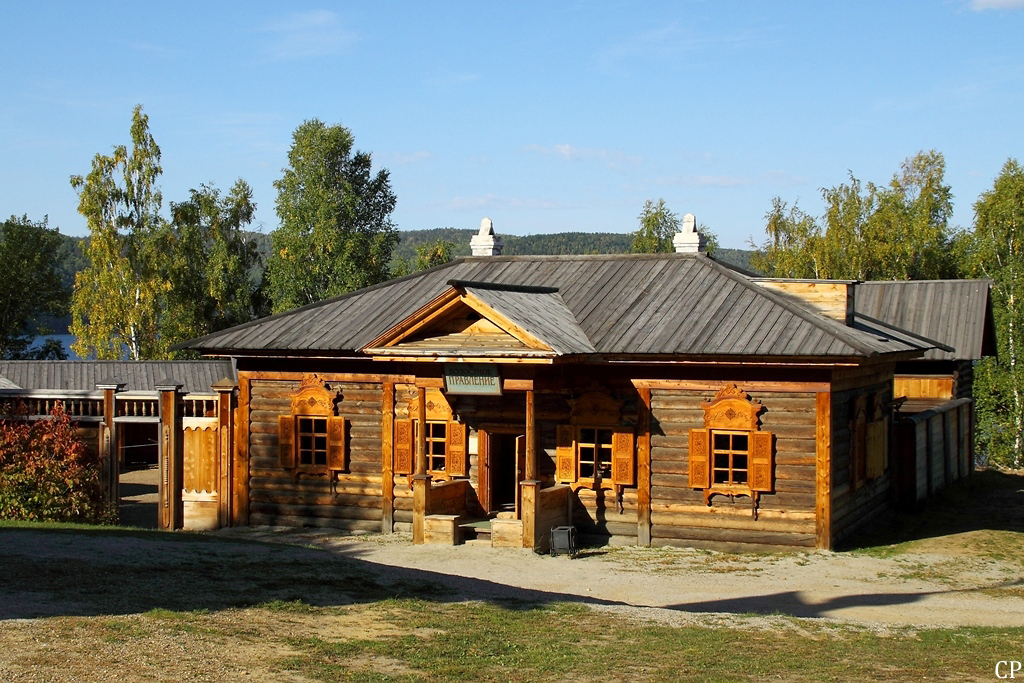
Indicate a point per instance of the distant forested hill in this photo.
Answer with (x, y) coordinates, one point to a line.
(73, 258)
(554, 243)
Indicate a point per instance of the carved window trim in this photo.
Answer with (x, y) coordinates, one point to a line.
(311, 403)
(732, 413)
(456, 455)
(594, 412)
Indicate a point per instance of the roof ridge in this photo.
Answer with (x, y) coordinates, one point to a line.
(914, 282)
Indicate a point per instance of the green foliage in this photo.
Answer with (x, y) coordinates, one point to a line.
(995, 249)
(149, 283)
(436, 254)
(30, 286)
(658, 225)
(212, 267)
(46, 473)
(115, 303)
(336, 233)
(899, 231)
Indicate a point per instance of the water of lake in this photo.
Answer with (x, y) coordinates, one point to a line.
(66, 341)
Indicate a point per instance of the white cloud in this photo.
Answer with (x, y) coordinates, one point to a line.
(612, 158)
(982, 5)
(667, 42)
(774, 177)
(318, 33)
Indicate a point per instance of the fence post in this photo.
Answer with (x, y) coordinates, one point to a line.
(107, 440)
(225, 389)
(171, 513)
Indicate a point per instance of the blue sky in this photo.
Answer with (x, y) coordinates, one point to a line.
(545, 116)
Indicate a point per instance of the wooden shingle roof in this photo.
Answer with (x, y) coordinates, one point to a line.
(633, 304)
(955, 313)
(83, 375)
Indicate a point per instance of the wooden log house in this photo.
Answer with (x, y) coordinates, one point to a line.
(663, 399)
(646, 399)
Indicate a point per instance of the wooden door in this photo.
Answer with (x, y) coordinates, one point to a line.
(503, 454)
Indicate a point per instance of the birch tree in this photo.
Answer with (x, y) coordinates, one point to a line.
(898, 231)
(114, 307)
(996, 251)
(658, 225)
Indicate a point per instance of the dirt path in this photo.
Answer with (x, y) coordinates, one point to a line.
(933, 586)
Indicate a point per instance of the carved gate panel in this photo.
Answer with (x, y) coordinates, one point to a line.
(201, 476)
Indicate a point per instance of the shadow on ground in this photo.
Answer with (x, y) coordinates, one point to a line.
(59, 572)
(989, 500)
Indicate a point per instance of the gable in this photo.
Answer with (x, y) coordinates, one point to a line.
(465, 331)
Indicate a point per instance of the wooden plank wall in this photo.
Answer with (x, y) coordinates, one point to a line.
(853, 507)
(940, 446)
(678, 513)
(276, 498)
(923, 386)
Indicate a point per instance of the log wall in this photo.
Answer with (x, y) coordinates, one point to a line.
(679, 516)
(854, 505)
(277, 498)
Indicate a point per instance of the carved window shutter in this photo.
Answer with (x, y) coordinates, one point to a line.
(565, 453)
(286, 441)
(403, 447)
(760, 461)
(876, 442)
(456, 456)
(622, 458)
(700, 455)
(336, 444)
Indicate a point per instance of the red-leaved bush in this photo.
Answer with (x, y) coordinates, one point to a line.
(46, 473)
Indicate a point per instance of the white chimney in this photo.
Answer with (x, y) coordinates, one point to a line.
(688, 241)
(485, 243)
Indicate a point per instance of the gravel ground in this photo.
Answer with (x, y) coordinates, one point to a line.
(935, 587)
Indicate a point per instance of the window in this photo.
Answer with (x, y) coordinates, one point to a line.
(311, 438)
(599, 456)
(445, 447)
(731, 455)
(594, 453)
(312, 441)
(437, 441)
(869, 443)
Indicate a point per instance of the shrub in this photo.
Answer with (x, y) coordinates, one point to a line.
(46, 472)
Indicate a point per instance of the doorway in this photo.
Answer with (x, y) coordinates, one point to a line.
(138, 457)
(506, 460)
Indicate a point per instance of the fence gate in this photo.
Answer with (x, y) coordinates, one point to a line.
(201, 477)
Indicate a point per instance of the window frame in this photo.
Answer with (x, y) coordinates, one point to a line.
(314, 402)
(314, 434)
(732, 412)
(597, 463)
(432, 441)
(731, 452)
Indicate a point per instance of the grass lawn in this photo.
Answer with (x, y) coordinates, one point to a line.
(99, 604)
